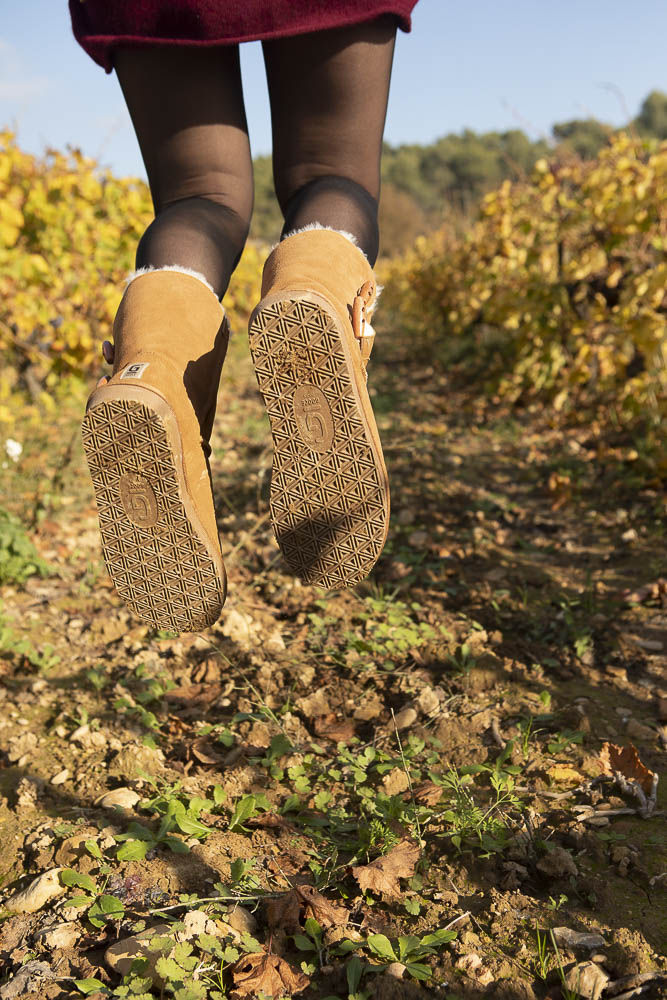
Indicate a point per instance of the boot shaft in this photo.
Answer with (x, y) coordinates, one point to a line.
(171, 321)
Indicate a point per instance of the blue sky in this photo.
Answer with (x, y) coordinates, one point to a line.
(489, 64)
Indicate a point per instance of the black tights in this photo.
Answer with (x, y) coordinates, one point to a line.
(328, 93)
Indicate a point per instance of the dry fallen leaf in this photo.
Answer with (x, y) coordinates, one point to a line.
(193, 694)
(289, 912)
(338, 730)
(383, 874)
(428, 793)
(200, 749)
(626, 761)
(283, 912)
(315, 905)
(269, 974)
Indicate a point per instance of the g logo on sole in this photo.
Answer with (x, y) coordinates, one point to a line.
(313, 417)
(138, 499)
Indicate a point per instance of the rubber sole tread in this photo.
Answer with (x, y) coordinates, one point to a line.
(329, 504)
(163, 571)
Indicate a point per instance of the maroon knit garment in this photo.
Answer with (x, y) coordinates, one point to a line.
(99, 25)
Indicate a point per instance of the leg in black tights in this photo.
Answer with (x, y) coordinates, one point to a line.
(187, 109)
(328, 93)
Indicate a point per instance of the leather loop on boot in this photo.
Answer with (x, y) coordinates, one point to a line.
(361, 326)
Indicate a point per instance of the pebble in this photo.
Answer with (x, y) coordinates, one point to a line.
(196, 922)
(567, 938)
(121, 954)
(275, 643)
(395, 781)
(557, 863)
(240, 628)
(41, 890)
(405, 718)
(468, 962)
(72, 849)
(314, 705)
(638, 731)
(122, 798)
(428, 701)
(395, 969)
(418, 539)
(28, 979)
(587, 980)
(242, 920)
(61, 936)
(61, 777)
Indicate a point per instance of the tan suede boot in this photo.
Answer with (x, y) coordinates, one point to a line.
(145, 435)
(310, 340)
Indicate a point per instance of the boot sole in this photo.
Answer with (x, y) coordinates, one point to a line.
(153, 542)
(329, 490)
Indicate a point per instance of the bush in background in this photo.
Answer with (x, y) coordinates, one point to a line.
(558, 291)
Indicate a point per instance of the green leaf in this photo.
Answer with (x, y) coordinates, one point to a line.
(439, 937)
(182, 954)
(418, 970)
(191, 991)
(347, 945)
(313, 929)
(69, 877)
(380, 945)
(80, 900)
(280, 745)
(105, 907)
(413, 906)
(170, 970)
(406, 944)
(304, 943)
(90, 985)
(93, 848)
(244, 809)
(210, 944)
(353, 970)
(132, 850)
(136, 831)
(175, 845)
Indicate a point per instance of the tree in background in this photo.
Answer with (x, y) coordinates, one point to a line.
(652, 117)
(425, 187)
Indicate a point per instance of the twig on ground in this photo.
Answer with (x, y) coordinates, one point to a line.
(457, 920)
(407, 775)
(497, 735)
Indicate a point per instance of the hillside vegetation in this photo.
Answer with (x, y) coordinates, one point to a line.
(424, 187)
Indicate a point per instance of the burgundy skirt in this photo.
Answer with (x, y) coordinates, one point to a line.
(99, 25)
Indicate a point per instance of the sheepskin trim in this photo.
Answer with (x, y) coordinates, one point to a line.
(169, 267)
(318, 225)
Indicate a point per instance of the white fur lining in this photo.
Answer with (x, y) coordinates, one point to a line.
(318, 225)
(170, 267)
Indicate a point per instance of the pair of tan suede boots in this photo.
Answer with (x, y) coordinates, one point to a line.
(146, 430)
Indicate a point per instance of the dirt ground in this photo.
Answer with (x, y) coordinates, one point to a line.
(421, 754)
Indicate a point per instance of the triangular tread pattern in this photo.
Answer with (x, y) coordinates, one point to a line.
(329, 509)
(163, 572)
